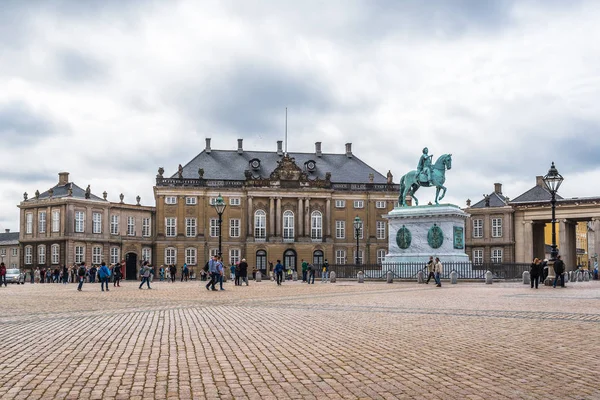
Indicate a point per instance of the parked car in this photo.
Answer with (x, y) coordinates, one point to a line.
(14, 275)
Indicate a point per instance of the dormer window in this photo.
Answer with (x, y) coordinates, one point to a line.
(311, 166)
(255, 164)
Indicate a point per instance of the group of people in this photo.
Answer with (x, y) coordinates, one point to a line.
(539, 271)
(170, 273)
(435, 269)
(75, 274)
(308, 272)
(104, 273)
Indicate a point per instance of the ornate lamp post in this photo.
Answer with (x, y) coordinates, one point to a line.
(220, 208)
(552, 180)
(357, 227)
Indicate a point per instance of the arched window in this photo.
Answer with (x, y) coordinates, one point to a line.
(380, 256)
(288, 225)
(260, 224)
(318, 259)
(316, 225)
(41, 254)
(261, 260)
(289, 259)
(170, 255)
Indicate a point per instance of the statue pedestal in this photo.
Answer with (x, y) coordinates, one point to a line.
(418, 232)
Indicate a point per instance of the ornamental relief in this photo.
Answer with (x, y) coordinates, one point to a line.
(317, 207)
(190, 211)
(289, 206)
(260, 206)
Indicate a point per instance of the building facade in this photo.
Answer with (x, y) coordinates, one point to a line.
(9, 249)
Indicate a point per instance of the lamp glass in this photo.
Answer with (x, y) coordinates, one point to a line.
(220, 205)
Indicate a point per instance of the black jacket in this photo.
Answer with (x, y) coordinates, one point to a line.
(243, 269)
(535, 269)
(559, 266)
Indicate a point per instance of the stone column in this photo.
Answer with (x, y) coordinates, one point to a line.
(595, 237)
(538, 240)
(250, 217)
(300, 218)
(528, 241)
(307, 215)
(567, 244)
(272, 216)
(327, 221)
(278, 218)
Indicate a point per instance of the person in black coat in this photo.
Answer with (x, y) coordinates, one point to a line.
(243, 267)
(535, 271)
(559, 268)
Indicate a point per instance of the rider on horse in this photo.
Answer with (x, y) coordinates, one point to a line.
(425, 167)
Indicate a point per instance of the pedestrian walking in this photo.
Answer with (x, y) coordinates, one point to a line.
(243, 267)
(325, 272)
(535, 270)
(212, 270)
(221, 270)
(559, 268)
(430, 269)
(118, 274)
(311, 274)
(439, 268)
(65, 275)
(304, 270)
(279, 272)
(161, 273)
(36, 274)
(173, 273)
(81, 272)
(185, 273)
(93, 272)
(2, 274)
(232, 271)
(103, 275)
(145, 273)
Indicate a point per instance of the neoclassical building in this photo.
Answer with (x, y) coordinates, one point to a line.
(9, 249)
(286, 206)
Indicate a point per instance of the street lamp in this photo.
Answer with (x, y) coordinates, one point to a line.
(219, 206)
(357, 227)
(552, 180)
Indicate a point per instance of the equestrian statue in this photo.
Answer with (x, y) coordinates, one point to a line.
(426, 175)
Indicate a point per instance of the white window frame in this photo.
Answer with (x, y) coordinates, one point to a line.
(96, 222)
(380, 229)
(340, 257)
(340, 204)
(496, 227)
(41, 254)
(477, 256)
(497, 254)
(235, 201)
(191, 227)
(316, 225)
(56, 221)
(381, 256)
(146, 227)
(191, 201)
(114, 224)
(359, 204)
(15, 252)
(214, 252)
(130, 226)
(234, 255)
(79, 221)
(96, 255)
(212, 201)
(147, 254)
(29, 223)
(55, 254)
(477, 228)
(42, 222)
(380, 204)
(288, 225)
(79, 254)
(170, 226)
(191, 256)
(28, 255)
(234, 227)
(170, 255)
(214, 227)
(260, 224)
(340, 229)
(114, 255)
(170, 199)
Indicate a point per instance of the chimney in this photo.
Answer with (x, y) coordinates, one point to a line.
(539, 181)
(7, 230)
(498, 188)
(240, 147)
(63, 178)
(349, 150)
(318, 149)
(280, 147)
(207, 148)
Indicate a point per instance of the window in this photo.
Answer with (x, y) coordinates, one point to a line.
(29, 223)
(42, 222)
(260, 224)
(235, 201)
(234, 256)
(496, 255)
(380, 229)
(55, 221)
(15, 252)
(340, 203)
(3, 252)
(114, 255)
(171, 225)
(191, 256)
(214, 227)
(380, 256)
(190, 201)
(146, 231)
(147, 254)
(318, 257)
(477, 228)
(190, 227)
(340, 257)
(28, 255)
(316, 225)
(171, 200)
(360, 231)
(212, 201)
(380, 204)
(478, 256)
(41, 254)
(261, 260)
(496, 227)
(340, 229)
(234, 227)
(360, 256)
(170, 255)
(114, 224)
(96, 255)
(359, 204)
(96, 222)
(288, 225)
(55, 249)
(79, 254)
(130, 226)
(79, 221)
(214, 252)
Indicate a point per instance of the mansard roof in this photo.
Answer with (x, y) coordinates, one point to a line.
(537, 194)
(63, 191)
(495, 200)
(231, 165)
(9, 238)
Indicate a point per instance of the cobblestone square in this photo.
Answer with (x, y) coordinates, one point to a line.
(296, 341)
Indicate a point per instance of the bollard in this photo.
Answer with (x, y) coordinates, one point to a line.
(570, 275)
(579, 277)
(567, 279)
(420, 277)
(453, 277)
(390, 277)
(258, 277)
(526, 278)
(586, 276)
(488, 277)
(332, 277)
(294, 275)
(361, 277)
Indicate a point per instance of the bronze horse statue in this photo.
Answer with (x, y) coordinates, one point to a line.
(410, 182)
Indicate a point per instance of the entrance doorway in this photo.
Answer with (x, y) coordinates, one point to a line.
(131, 266)
(289, 259)
(318, 259)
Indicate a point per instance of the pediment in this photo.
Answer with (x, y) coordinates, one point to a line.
(288, 170)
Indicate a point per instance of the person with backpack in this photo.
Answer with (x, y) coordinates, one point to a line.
(304, 270)
(173, 273)
(559, 268)
(279, 272)
(145, 274)
(118, 274)
(103, 275)
(81, 272)
(311, 274)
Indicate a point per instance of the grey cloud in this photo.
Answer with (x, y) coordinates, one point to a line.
(75, 66)
(19, 124)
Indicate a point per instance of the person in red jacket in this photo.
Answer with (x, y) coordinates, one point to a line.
(2, 274)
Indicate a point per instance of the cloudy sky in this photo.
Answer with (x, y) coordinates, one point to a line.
(112, 90)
